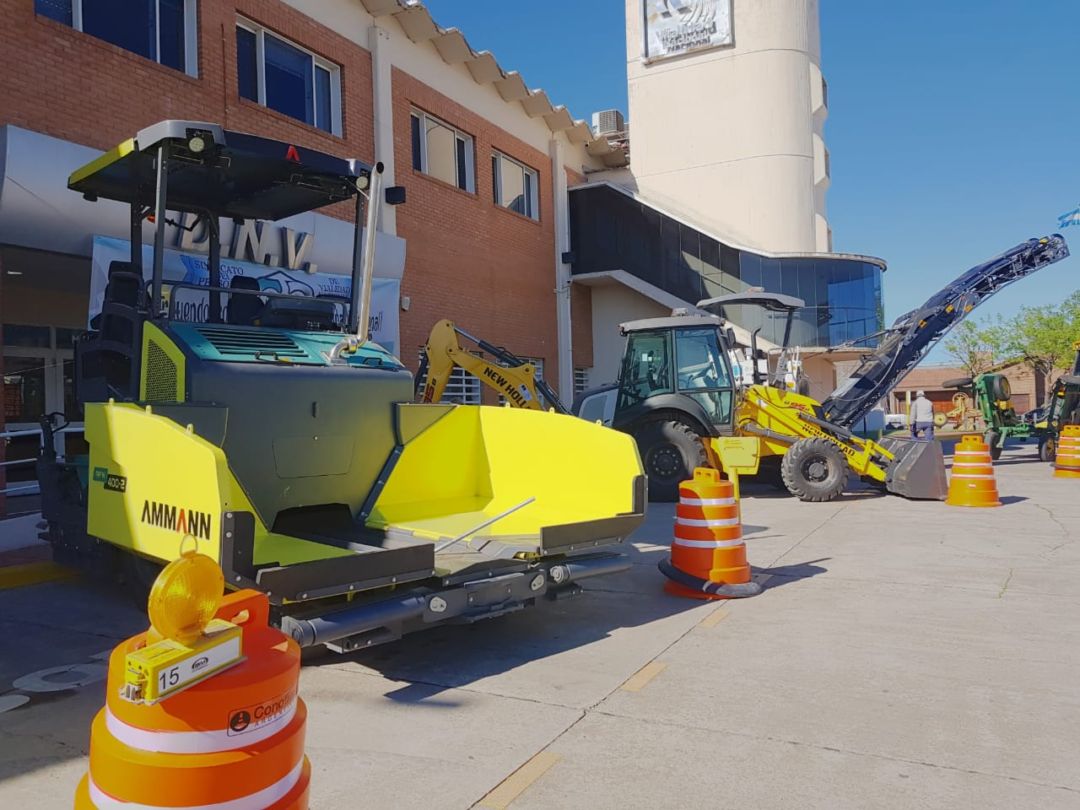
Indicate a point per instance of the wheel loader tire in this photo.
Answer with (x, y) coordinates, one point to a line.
(1047, 449)
(669, 451)
(814, 470)
(993, 441)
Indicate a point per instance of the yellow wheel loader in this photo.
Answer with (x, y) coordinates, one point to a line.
(268, 431)
(683, 399)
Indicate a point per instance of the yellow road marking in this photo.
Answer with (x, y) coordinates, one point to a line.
(714, 618)
(519, 781)
(18, 576)
(638, 681)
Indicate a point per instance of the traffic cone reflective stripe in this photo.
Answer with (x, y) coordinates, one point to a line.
(708, 555)
(283, 794)
(679, 541)
(707, 523)
(972, 482)
(690, 501)
(234, 741)
(193, 780)
(1067, 457)
(194, 742)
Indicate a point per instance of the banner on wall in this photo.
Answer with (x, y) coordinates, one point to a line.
(193, 305)
(675, 27)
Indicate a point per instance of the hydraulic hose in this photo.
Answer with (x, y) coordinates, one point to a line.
(704, 585)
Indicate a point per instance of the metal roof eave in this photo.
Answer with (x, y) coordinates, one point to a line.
(418, 25)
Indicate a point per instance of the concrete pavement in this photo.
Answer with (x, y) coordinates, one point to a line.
(902, 655)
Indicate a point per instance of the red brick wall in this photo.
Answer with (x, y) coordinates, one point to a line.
(71, 85)
(488, 269)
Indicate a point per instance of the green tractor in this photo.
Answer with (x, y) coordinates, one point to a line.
(1063, 408)
(992, 396)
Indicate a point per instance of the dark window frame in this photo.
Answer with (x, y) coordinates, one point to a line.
(313, 112)
(73, 13)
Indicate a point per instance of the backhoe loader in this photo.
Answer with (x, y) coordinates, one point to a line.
(275, 437)
(679, 395)
(514, 379)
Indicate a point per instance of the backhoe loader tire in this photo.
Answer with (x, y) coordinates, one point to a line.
(670, 451)
(814, 470)
(1047, 449)
(993, 441)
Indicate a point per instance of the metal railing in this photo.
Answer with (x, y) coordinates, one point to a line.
(30, 487)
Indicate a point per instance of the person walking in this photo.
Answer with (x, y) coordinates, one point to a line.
(922, 418)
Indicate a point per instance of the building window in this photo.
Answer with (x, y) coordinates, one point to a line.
(581, 380)
(462, 388)
(285, 77)
(162, 30)
(514, 186)
(442, 151)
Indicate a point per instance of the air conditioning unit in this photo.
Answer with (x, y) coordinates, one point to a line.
(608, 122)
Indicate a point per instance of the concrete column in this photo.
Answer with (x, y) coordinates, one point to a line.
(382, 103)
(562, 271)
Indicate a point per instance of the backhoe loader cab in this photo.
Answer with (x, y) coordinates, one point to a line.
(680, 383)
(265, 429)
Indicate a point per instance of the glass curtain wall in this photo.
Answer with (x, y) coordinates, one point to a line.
(612, 231)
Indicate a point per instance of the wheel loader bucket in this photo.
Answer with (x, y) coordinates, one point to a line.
(532, 482)
(917, 471)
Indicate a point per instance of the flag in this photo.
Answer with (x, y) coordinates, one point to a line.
(1071, 218)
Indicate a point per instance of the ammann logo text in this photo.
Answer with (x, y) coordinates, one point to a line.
(184, 521)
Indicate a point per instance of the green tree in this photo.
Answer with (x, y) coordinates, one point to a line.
(1043, 337)
(976, 348)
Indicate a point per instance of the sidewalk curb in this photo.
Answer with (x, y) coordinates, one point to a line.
(18, 576)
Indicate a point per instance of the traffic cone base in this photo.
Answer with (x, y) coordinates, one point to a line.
(972, 482)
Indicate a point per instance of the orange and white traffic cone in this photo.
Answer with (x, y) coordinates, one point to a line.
(708, 555)
(1067, 455)
(233, 740)
(972, 482)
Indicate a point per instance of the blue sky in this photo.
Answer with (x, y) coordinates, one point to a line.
(954, 127)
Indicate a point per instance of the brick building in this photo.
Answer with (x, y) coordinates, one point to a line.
(1028, 387)
(485, 162)
(522, 224)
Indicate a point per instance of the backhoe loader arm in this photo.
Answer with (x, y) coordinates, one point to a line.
(913, 335)
(516, 381)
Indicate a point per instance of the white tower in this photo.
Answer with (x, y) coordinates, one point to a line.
(727, 110)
